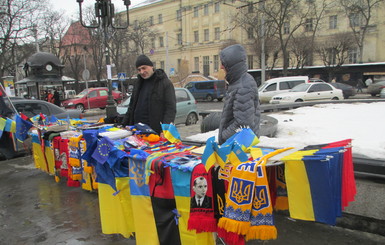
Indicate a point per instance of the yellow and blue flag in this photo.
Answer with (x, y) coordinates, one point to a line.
(171, 133)
(2, 125)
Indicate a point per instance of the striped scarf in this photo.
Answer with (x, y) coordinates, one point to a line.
(248, 211)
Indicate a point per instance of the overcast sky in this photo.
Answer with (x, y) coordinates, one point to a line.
(70, 7)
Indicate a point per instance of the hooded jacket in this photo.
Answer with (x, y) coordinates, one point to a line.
(162, 102)
(241, 107)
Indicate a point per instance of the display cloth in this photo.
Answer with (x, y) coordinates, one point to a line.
(161, 191)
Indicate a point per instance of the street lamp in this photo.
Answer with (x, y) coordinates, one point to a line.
(104, 12)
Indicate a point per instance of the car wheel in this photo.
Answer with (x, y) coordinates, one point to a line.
(80, 107)
(192, 118)
(209, 98)
(335, 98)
(374, 95)
(298, 100)
(220, 99)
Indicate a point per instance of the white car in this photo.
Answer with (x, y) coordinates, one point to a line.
(278, 85)
(308, 92)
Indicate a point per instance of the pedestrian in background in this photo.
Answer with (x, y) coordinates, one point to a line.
(241, 106)
(153, 98)
(360, 85)
(368, 81)
(56, 98)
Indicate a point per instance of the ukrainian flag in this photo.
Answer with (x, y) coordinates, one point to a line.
(171, 133)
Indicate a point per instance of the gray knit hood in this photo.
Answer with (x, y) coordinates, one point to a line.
(234, 59)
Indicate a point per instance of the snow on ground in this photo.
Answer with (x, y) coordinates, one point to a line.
(364, 123)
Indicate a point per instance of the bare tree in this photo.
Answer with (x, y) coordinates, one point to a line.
(141, 34)
(360, 12)
(285, 18)
(334, 51)
(17, 18)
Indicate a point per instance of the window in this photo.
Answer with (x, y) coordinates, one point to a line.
(309, 25)
(354, 20)
(271, 87)
(250, 61)
(250, 8)
(32, 109)
(160, 19)
(93, 94)
(333, 22)
(216, 62)
(179, 38)
(196, 63)
(217, 33)
(352, 54)
(196, 36)
(206, 9)
(196, 11)
(286, 27)
(284, 86)
(161, 43)
(153, 43)
(162, 65)
(216, 7)
(250, 33)
(206, 35)
(151, 20)
(332, 56)
(101, 93)
(179, 15)
(181, 95)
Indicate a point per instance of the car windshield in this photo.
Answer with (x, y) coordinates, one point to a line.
(300, 87)
(262, 87)
(126, 102)
(81, 94)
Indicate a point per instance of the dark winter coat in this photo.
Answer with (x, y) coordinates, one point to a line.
(241, 107)
(162, 102)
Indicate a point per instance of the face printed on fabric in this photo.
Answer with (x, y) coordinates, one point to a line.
(145, 71)
(200, 187)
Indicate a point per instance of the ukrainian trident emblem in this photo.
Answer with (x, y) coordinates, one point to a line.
(241, 191)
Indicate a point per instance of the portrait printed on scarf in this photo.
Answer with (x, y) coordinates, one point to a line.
(200, 199)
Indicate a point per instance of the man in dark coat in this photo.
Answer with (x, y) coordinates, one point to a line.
(153, 98)
(241, 107)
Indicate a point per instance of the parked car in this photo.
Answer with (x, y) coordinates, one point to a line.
(382, 93)
(31, 108)
(375, 88)
(278, 85)
(186, 108)
(207, 90)
(92, 98)
(309, 92)
(347, 90)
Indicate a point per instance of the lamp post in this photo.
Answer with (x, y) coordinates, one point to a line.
(104, 12)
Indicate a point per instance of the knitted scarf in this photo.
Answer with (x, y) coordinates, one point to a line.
(201, 205)
(248, 209)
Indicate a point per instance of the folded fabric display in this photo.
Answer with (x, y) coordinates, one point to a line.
(249, 210)
(165, 192)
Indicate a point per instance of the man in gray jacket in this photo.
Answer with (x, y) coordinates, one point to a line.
(241, 107)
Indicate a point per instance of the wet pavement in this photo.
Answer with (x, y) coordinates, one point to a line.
(34, 209)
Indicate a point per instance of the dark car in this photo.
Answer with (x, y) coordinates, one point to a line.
(30, 108)
(347, 90)
(375, 88)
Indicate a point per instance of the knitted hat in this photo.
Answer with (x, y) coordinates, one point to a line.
(143, 60)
